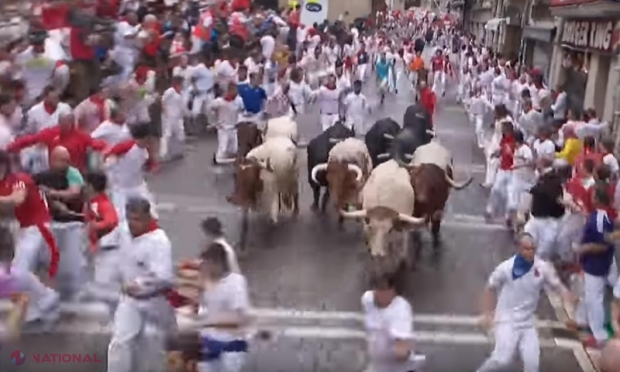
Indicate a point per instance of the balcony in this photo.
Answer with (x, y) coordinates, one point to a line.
(585, 8)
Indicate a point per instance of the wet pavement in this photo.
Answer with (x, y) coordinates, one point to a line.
(308, 264)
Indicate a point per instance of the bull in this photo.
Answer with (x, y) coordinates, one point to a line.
(431, 175)
(378, 139)
(346, 170)
(283, 126)
(387, 208)
(318, 153)
(267, 177)
(417, 131)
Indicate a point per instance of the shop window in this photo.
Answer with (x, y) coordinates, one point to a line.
(574, 78)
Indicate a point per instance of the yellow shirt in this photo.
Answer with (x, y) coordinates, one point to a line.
(292, 4)
(572, 148)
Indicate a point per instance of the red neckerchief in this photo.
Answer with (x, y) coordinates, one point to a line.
(150, 228)
(230, 97)
(100, 103)
(49, 108)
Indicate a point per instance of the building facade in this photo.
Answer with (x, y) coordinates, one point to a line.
(539, 31)
(585, 60)
(497, 24)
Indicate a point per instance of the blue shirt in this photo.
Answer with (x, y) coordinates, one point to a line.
(383, 69)
(597, 225)
(253, 97)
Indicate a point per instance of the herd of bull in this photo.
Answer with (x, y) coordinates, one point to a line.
(396, 180)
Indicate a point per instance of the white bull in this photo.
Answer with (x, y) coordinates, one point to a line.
(283, 126)
(387, 202)
(435, 153)
(278, 159)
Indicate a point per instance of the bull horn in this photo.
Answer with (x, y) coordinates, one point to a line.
(458, 186)
(388, 136)
(357, 170)
(334, 140)
(385, 155)
(432, 133)
(410, 219)
(316, 170)
(226, 161)
(354, 214)
(302, 145)
(408, 156)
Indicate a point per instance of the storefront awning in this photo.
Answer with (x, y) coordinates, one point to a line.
(493, 24)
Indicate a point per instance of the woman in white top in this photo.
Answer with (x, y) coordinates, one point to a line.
(389, 328)
(212, 228)
(224, 313)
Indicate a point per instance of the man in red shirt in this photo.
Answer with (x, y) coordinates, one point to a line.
(19, 190)
(65, 134)
(428, 99)
(589, 152)
(499, 191)
(102, 222)
(438, 65)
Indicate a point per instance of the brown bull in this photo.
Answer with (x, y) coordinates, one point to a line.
(343, 182)
(432, 188)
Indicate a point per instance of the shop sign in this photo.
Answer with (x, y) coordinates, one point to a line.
(596, 35)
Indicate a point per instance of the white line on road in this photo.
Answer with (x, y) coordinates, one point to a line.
(318, 333)
(447, 319)
(98, 311)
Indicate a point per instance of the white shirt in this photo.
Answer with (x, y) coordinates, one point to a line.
(111, 133)
(544, 149)
(6, 136)
(524, 155)
(231, 256)
(356, 105)
(204, 78)
(384, 326)
(228, 294)
(611, 161)
(329, 100)
(39, 118)
(127, 172)
(36, 71)
(147, 261)
(517, 300)
(299, 94)
(225, 71)
(172, 105)
(268, 44)
(185, 73)
(227, 112)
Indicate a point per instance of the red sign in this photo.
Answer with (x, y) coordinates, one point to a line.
(570, 2)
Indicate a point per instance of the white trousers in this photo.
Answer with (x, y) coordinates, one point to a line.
(499, 191)
(355, 121)
(327, 120)
(361, 72)
(569, 235)
(29, 250)
(507, 340)
(492, 164)
(200, 102)
(171, 127)
(519, 198)
(226, 144)
(439, 82)
(120, 196)
(478, 121)
(228, 362)
(138, 115)
(591, 310)
(72, 268)
(136, 321)
(545, 233)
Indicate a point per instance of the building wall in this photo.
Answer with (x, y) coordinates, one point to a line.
(356, 8)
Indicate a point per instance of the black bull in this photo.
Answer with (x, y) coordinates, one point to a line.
(318, 152)
(386, 140)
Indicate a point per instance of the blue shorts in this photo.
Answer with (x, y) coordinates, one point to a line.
(212, 349)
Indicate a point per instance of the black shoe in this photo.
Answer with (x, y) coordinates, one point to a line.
(214, 160)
